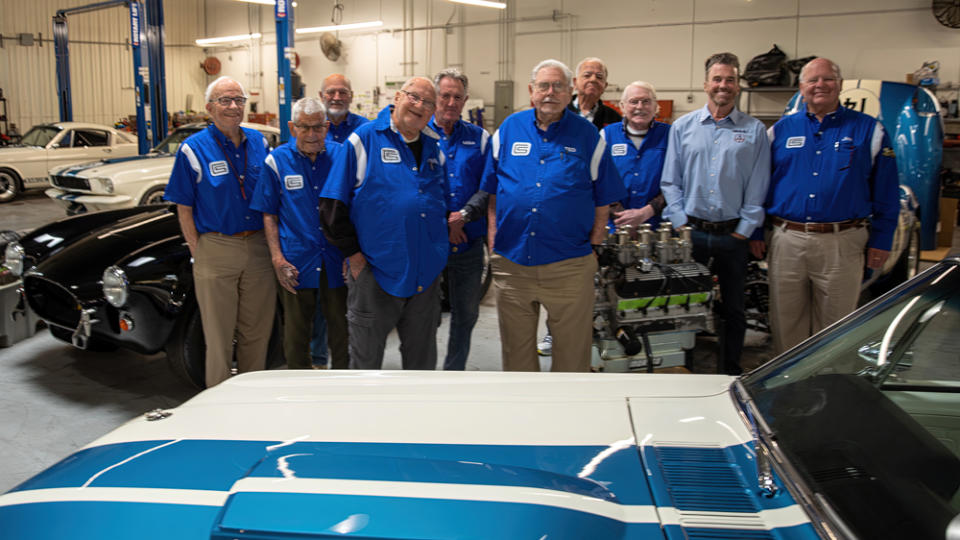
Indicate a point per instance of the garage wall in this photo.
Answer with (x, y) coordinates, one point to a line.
(662, 41)
(101, 61)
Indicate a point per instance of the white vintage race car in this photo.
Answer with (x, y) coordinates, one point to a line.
(124, 183)
(25, 165)
(853, 433)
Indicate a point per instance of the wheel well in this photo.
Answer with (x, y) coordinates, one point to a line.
(16, 175)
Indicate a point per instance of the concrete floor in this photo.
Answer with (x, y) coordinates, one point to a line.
(55, 399)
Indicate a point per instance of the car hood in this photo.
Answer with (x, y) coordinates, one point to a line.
(110, 167)
(422, 455)
(79, 267)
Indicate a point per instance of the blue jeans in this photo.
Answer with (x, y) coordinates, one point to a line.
(463, 286)
(729, 256)
(318, 341)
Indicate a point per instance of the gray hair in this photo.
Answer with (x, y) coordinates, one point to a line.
(593, 59)
(833, 66)
(724, 58)
(308, 106)
(640, 84)
(451, 73)
(551, 63)
(209, 93)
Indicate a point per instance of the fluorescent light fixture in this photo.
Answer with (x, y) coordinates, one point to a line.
(481, 3)
(264, 2)
(338, 27)
(226, 39)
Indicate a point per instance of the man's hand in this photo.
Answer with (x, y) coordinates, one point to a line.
(633, 216)
(758, 248)
(876, 258)
(455, 225)
(287, 274)
(738, 236)
(354, 264)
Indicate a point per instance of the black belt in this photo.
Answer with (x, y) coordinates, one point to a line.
(714, 227)
(811, 227)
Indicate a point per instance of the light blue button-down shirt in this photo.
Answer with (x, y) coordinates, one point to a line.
(717, 171)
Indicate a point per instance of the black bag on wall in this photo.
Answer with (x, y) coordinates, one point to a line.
(768, 69)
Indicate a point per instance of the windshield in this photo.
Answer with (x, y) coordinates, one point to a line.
(39, 136)
(172, 142)
(869, 413)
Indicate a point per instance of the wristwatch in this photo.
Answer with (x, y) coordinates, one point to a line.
(464, 214)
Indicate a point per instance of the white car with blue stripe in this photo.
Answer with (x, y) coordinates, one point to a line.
(826, 441)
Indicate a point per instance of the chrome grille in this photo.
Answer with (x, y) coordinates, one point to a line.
(51, 301)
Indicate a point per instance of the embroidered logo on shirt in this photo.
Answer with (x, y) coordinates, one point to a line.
(219, 168)
(570, 149)
(468, 143)
(294, 181)
(796, 142)
(739, 138)
(389, 155)
(618, 149)
(520, 149)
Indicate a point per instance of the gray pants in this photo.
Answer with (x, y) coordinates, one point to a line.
(372, 314)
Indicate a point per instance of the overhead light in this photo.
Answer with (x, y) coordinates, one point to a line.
(481, 3)
(226, 39)
(266, 2)
(339, 27)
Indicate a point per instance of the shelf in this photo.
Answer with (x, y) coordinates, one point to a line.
(790, 89)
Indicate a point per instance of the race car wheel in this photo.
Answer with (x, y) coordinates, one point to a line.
(9, 185)
(186, 349)
(153, 196)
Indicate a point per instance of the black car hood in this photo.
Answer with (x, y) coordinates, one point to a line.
(80, 266)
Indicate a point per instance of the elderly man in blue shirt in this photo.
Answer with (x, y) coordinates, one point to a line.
(466, 147)
(715, 178)
(833, 196)
(383, 206)
(212, 182)
(308, 268)
(550, 185)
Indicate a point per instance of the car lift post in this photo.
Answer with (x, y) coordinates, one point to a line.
(284, 15)
(149, 83)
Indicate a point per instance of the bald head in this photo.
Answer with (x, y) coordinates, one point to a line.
(337, 95)
(413, 106)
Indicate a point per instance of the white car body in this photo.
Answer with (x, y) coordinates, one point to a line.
(74, 142)
(124, 183)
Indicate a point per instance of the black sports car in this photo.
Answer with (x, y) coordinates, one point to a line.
(120, 278)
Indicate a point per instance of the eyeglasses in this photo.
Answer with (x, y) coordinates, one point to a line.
(558, 86)
(417, 100)
(643, 102)
(226, 101)
(316, 128)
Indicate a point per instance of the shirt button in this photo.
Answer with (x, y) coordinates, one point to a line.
(544, 139)
(534, 210)
(414, 168)
(534, 233)
(541, 162)
(419, 191)
(318, 269)
(538, 184)
(818, 152)
(419, 288)
(809, 218)
(815, 173)
(248, 217)
(451, 175)
(711, 191)
(716, 142)
(423, 215)
(634, 192)
(812, 196)
(454, 249)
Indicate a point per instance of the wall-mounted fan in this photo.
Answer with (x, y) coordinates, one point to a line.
(331, 46)
(947, 12)
(210, 65)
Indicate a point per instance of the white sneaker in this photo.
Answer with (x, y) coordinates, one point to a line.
(545, 347)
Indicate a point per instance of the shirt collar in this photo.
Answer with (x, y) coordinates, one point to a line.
(223, 138)
(735, 116)
(567, 114)
(439, 130)
(829, 116)
(293, 145)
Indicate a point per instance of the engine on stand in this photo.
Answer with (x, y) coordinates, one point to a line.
(651, 299)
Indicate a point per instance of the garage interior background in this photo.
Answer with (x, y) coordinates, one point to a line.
(662, 41)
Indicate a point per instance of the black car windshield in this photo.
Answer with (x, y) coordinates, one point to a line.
(173, 140)
(869, 413)
(40, 136)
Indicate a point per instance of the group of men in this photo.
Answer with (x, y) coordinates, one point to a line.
(385, 206)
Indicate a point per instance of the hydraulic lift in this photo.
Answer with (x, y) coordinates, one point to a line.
(146, 39)
(284, 16)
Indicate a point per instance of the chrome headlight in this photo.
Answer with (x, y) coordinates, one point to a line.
(105, 183)
(13, 258)
(115, 288)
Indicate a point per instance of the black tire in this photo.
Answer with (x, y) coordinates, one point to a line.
(93, 344)
(10, 185)
(186, 349)
(153, 195)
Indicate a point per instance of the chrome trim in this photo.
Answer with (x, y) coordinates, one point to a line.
(81, 335)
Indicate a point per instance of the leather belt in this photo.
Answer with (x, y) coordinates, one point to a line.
(242, 234)
(714, 227)
(810, 227)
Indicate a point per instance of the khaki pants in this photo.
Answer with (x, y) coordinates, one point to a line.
(814, 281)
(565, 289)
(237, 294)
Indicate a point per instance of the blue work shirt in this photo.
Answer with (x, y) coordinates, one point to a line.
(839, 169)
(289, 188)
(548, 185)
(204, 177)
(396, 205)
(338, 133)
(716, 171)
(639, 168)
(466, 152)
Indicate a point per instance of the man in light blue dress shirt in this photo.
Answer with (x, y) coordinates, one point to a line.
(715, 178)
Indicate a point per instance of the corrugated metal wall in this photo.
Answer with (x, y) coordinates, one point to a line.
(101, 61)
